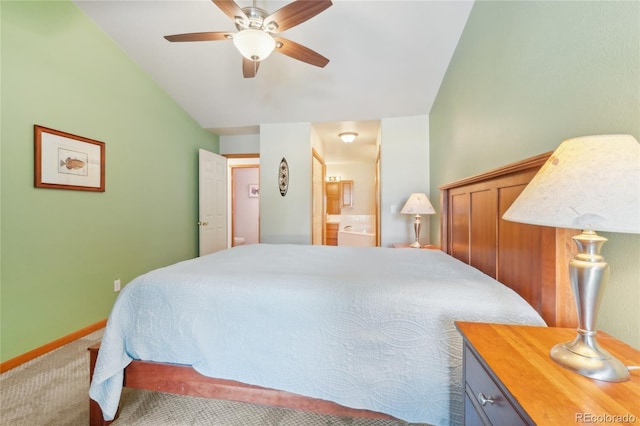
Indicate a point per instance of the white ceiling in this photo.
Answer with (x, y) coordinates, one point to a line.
(387, 59)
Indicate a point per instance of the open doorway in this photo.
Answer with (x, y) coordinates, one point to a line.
(351, 182)
(245, 204)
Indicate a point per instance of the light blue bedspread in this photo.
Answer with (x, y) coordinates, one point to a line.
(366, 327)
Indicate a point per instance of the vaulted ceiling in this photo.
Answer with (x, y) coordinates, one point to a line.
(387, 59)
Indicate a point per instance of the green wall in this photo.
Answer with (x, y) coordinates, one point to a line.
(61, 250)
(524, 77)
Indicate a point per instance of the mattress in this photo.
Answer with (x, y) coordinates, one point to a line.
(365, 327)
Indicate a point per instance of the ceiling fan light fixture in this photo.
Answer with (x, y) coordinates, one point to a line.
(347, 137)
(255, 45)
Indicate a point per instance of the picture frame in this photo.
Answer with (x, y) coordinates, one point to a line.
(67, 161)
(254, 190)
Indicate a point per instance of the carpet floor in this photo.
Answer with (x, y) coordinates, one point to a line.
(52, 390)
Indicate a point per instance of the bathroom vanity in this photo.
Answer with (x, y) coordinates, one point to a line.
(331, 234)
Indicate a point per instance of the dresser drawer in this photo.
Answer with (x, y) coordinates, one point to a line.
(480, 388)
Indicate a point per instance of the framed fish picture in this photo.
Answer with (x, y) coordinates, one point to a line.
(66, 161)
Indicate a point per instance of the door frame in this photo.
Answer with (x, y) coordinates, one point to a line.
(237, 160)
(323, 237)
(232, 170)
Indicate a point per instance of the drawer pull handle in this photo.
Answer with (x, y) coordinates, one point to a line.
(485, 400)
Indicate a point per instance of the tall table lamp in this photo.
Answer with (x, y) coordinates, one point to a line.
(417, 204)
(590, 183)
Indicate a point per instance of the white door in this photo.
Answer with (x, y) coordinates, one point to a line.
(212, 220)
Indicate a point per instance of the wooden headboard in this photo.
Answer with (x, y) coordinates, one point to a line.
(532, 260)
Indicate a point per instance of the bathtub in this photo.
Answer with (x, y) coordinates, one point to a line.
(356, 236)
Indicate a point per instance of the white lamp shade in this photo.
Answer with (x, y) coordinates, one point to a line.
(418, 203)
(253, 44)
(589, 183)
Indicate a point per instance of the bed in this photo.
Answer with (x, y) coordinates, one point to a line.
(354, 331)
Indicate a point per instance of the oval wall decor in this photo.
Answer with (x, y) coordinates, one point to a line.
(283, 176)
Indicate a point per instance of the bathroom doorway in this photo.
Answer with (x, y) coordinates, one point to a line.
(245, 204)
(351, 187)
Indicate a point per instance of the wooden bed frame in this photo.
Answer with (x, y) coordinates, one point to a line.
(532, 260)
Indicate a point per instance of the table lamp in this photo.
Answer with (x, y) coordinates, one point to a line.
(417, 204)
(590, 183)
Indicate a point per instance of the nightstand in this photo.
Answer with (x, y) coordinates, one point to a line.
(406, 245)
(509, 379)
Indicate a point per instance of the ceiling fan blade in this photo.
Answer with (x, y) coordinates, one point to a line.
(249, 68)
(208, 36)
(299, 52)
(296, 13)
(231, 9)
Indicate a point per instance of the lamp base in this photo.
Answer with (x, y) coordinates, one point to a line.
(416, 229)
(585, 357)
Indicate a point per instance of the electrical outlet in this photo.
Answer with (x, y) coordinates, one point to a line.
(116, 285)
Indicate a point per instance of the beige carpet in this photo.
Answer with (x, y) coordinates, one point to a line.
(52, 390)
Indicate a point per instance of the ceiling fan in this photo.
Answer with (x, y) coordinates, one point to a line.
(256, 37)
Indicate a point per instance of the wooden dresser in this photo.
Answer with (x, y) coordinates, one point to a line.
(509, 379)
